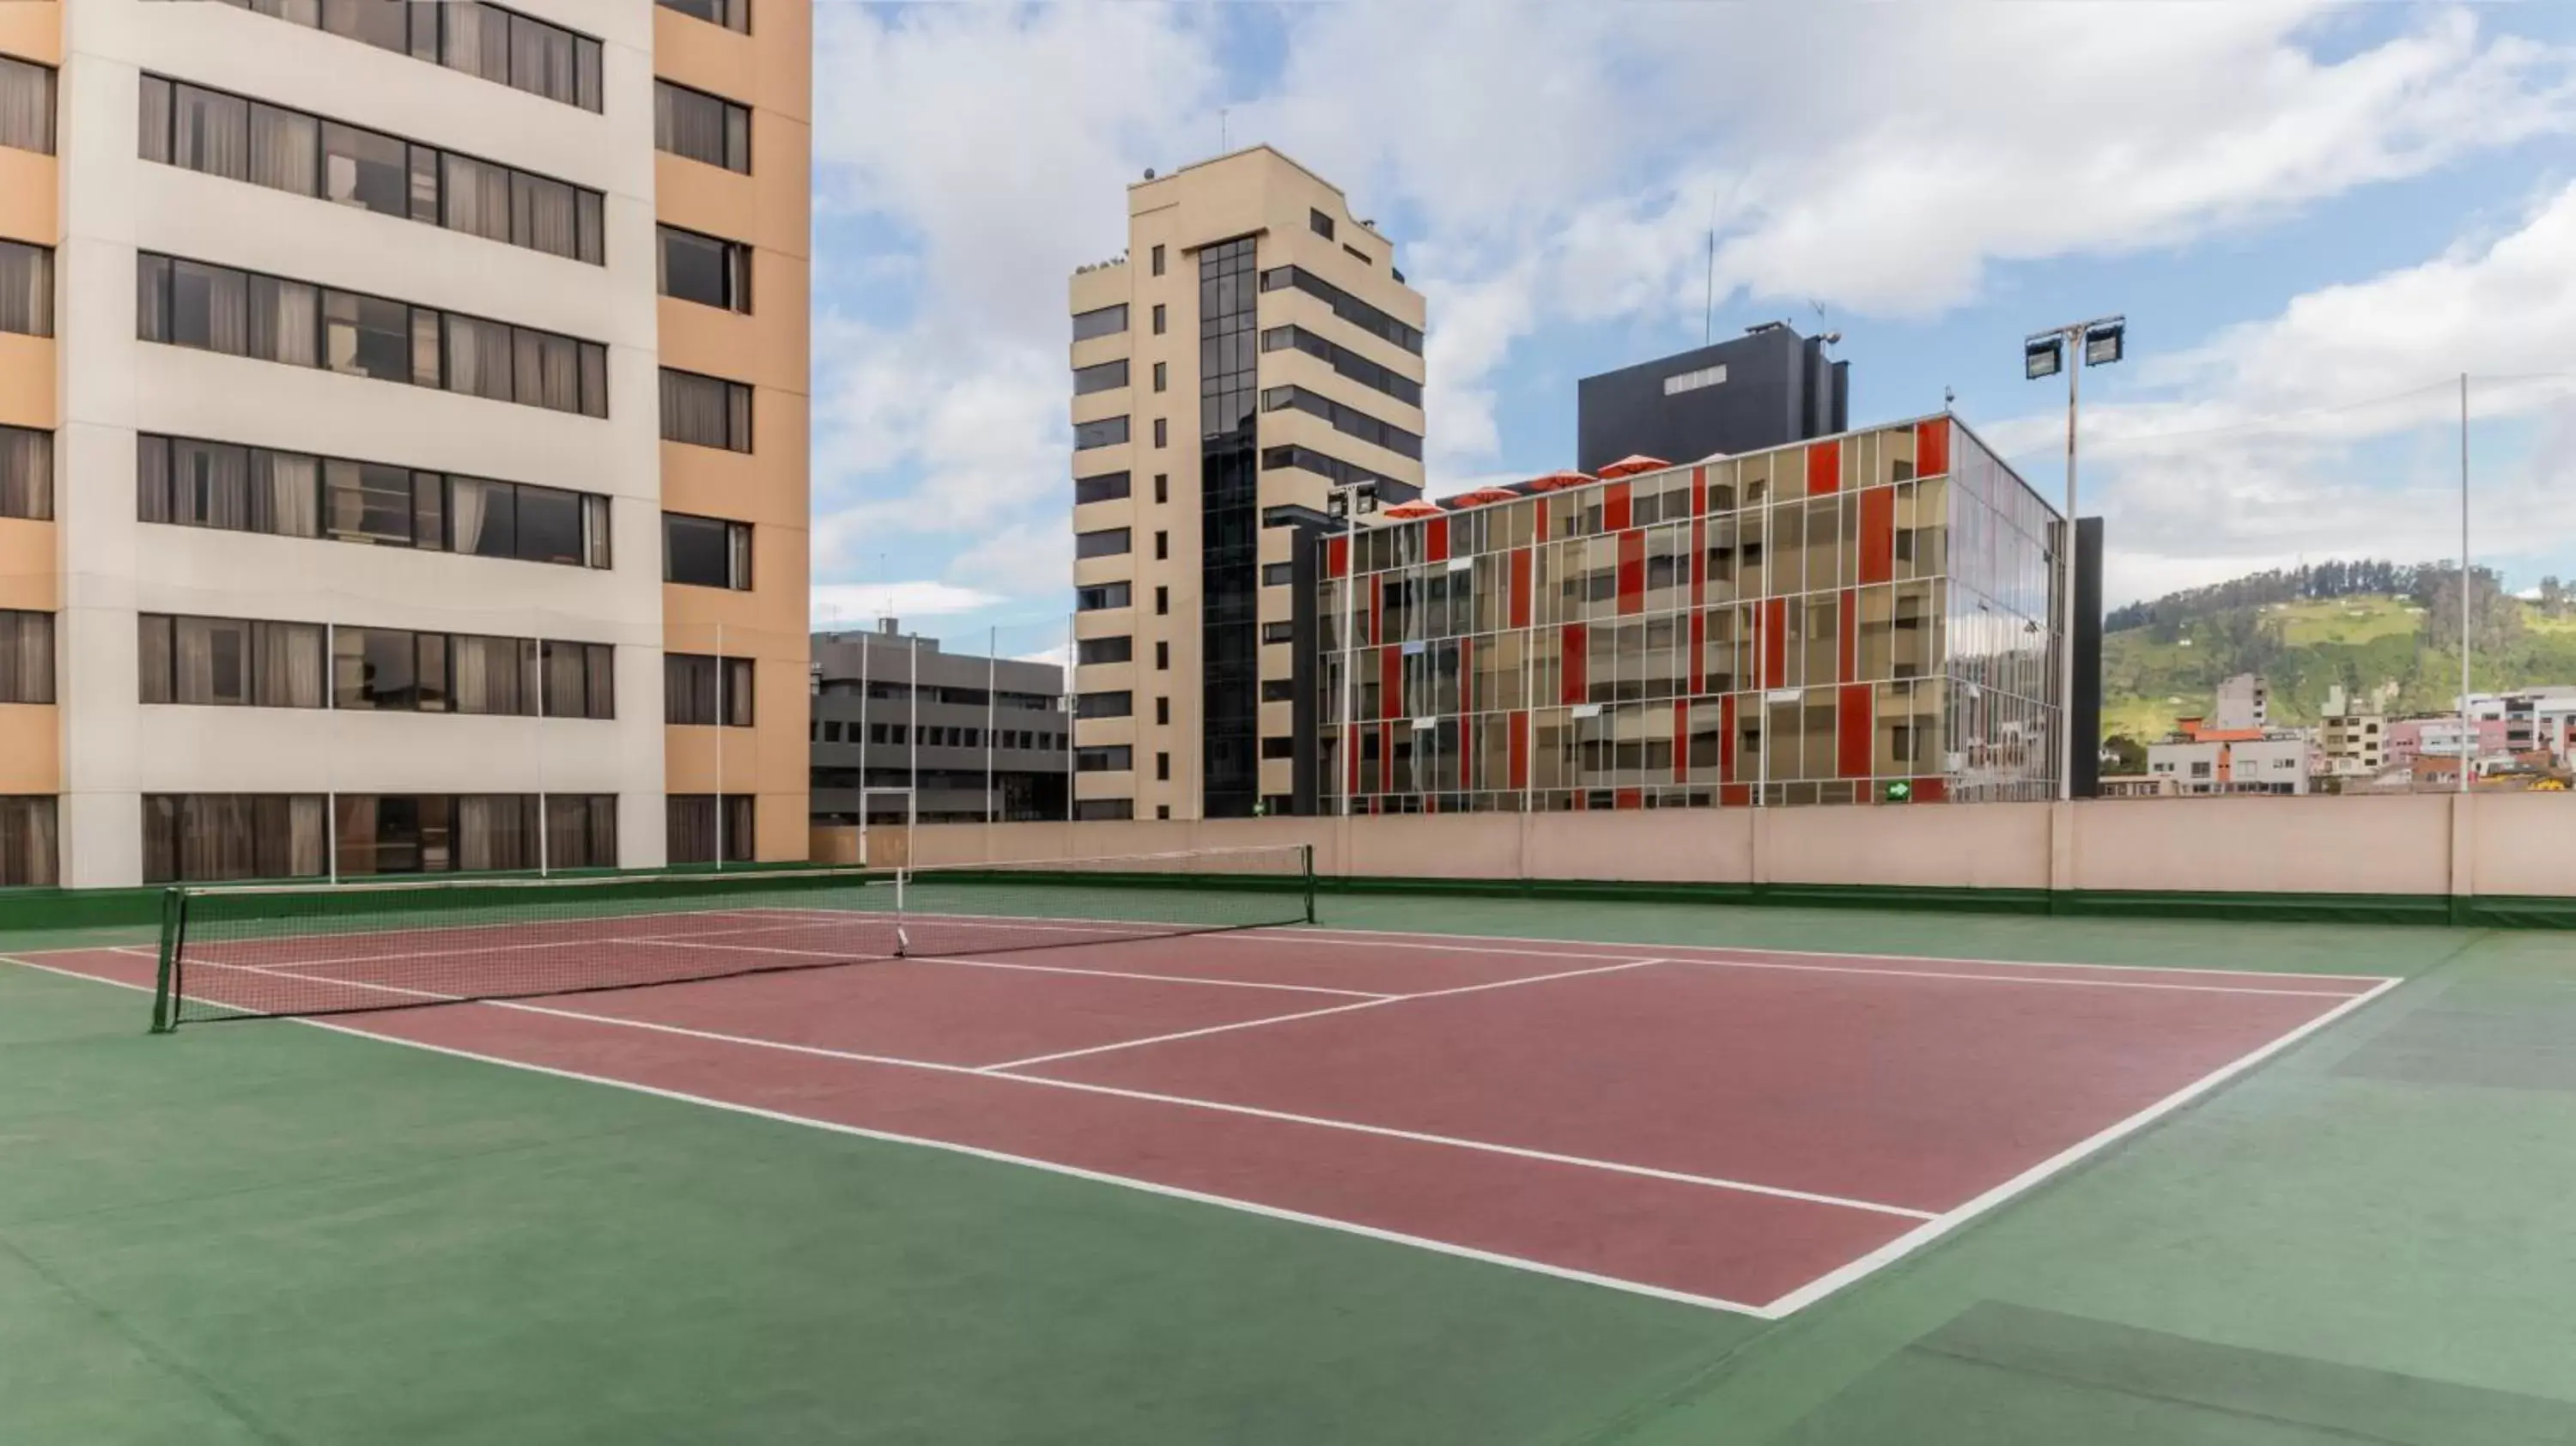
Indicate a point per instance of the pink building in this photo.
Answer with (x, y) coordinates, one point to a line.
(2411, 738)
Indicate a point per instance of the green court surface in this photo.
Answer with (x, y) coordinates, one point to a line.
(274, 1233)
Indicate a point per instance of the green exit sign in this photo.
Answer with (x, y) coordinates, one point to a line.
(1900, 791)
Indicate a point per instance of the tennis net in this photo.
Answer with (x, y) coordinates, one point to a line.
(265, 951)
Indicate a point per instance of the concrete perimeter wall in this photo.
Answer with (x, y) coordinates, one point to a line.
(2424, 845)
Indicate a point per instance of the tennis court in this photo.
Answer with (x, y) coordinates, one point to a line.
(1743, 1129)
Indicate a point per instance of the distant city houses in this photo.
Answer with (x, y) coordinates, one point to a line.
(2524, 740)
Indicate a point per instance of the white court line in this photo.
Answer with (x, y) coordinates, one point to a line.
(1306, 929)
(1714, 1182)
(1313, 1013)
(1950, 1220)
(1176, 1192)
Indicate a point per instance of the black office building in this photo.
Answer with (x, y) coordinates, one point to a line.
(1766, 388)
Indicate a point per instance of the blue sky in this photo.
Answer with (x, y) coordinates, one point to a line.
(2314, 215)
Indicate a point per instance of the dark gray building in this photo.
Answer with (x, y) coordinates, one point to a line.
(992, 734)
(1766, 388)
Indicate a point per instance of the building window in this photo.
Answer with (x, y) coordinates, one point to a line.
(704, 828)
(1101, 597)
(1320, 224)
(580, 680)
(708, 270)
(1162, 487)
(734, 15)
(1105, 650)
(706, 551)
(1307, 459)
(26, 657)
(701, 127)
(229, 662)
(1345, 306)
(1162, 546)
(1278, 574)
(1344, 361)
(1356, 254)
(1278, 690)
(1278, 747)
(1119, 759)
(1162, 375)
(1682, 382)
(401, 833)
(27, 108)
(1162, 431)
(194, 838)
(1103, 810)
(26, 474)
(481, 40)
(1162, 768)
(189, 483)
(238, 313)
(1162, 657)
(1105, 705)
(1107, 542)
(28, 852)
(1348, 420)
(206, 130)
(1107, 487)
(581, 831)
(1157, 254)
(705, 411)
(26, 289)
(1106, 376)
(705, 691)
(1107, 432)
(1104, 321)
(1158, 318)
(1163, 712)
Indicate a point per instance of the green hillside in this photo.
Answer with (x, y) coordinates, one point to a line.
(2154, 673)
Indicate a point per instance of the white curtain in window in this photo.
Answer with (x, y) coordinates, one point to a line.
(488, 676)
(477, 197)
(567, 680)
(26, 473)
(478, 40)
(27, 841)
(543, 215)
(478, 357)
(289, 667)
(26, 657)
(26, 289)
(215, 836)
(541, 59)
(308, 835)
(694, 409)
(283, 145)
(211, 484)
(208, 653)
(466, 513)
(549, 370)
(26, 106)
(212, 133)
(286, 494)
(285, 321)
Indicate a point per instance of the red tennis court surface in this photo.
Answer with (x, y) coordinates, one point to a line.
(1743, 1129)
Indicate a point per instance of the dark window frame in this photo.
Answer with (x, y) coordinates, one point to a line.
(1107, 320)
(733, 120)
(733, 260)
(48, 128)
(737, 408)
(428, 37)
(733, 15)
(737, 544)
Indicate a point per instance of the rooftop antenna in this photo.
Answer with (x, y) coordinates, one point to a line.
(1708, 308)
(1222, 144)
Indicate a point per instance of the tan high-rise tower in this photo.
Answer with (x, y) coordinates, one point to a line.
(1254, 349)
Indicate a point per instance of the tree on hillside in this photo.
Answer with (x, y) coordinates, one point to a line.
(2123, 754)
(2553, 598)
(2495, 617)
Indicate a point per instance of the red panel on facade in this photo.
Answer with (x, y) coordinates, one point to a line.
(1629, 798)
(1698, 651)
(1699, 492)
(1931, 790)
(1576, 645)
(1337, 556)
(1851, 731)
(1466, 677)
(1632, 570)
(1847, 646)
(1582, 800)
(1699, 562)
(1775, 642)
(1390, 681)
(1520, 750)
(1932, 447)
(1541, 523)
(1726, 740)
(1521, 587)
(1614, 507)
(1435, 540)
(1735, 795)
(1824, 467)
(1878, 534)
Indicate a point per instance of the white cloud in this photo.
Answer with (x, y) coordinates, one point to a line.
(860, 604)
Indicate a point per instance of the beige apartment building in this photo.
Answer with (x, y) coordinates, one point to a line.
(402, 436)
(1254, 349)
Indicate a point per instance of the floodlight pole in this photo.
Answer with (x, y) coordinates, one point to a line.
(2072, 339)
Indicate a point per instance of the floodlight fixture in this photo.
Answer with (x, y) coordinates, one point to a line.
(2043, 357)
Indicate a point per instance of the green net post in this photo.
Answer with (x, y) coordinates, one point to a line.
(1306, 855)
(165, 984)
